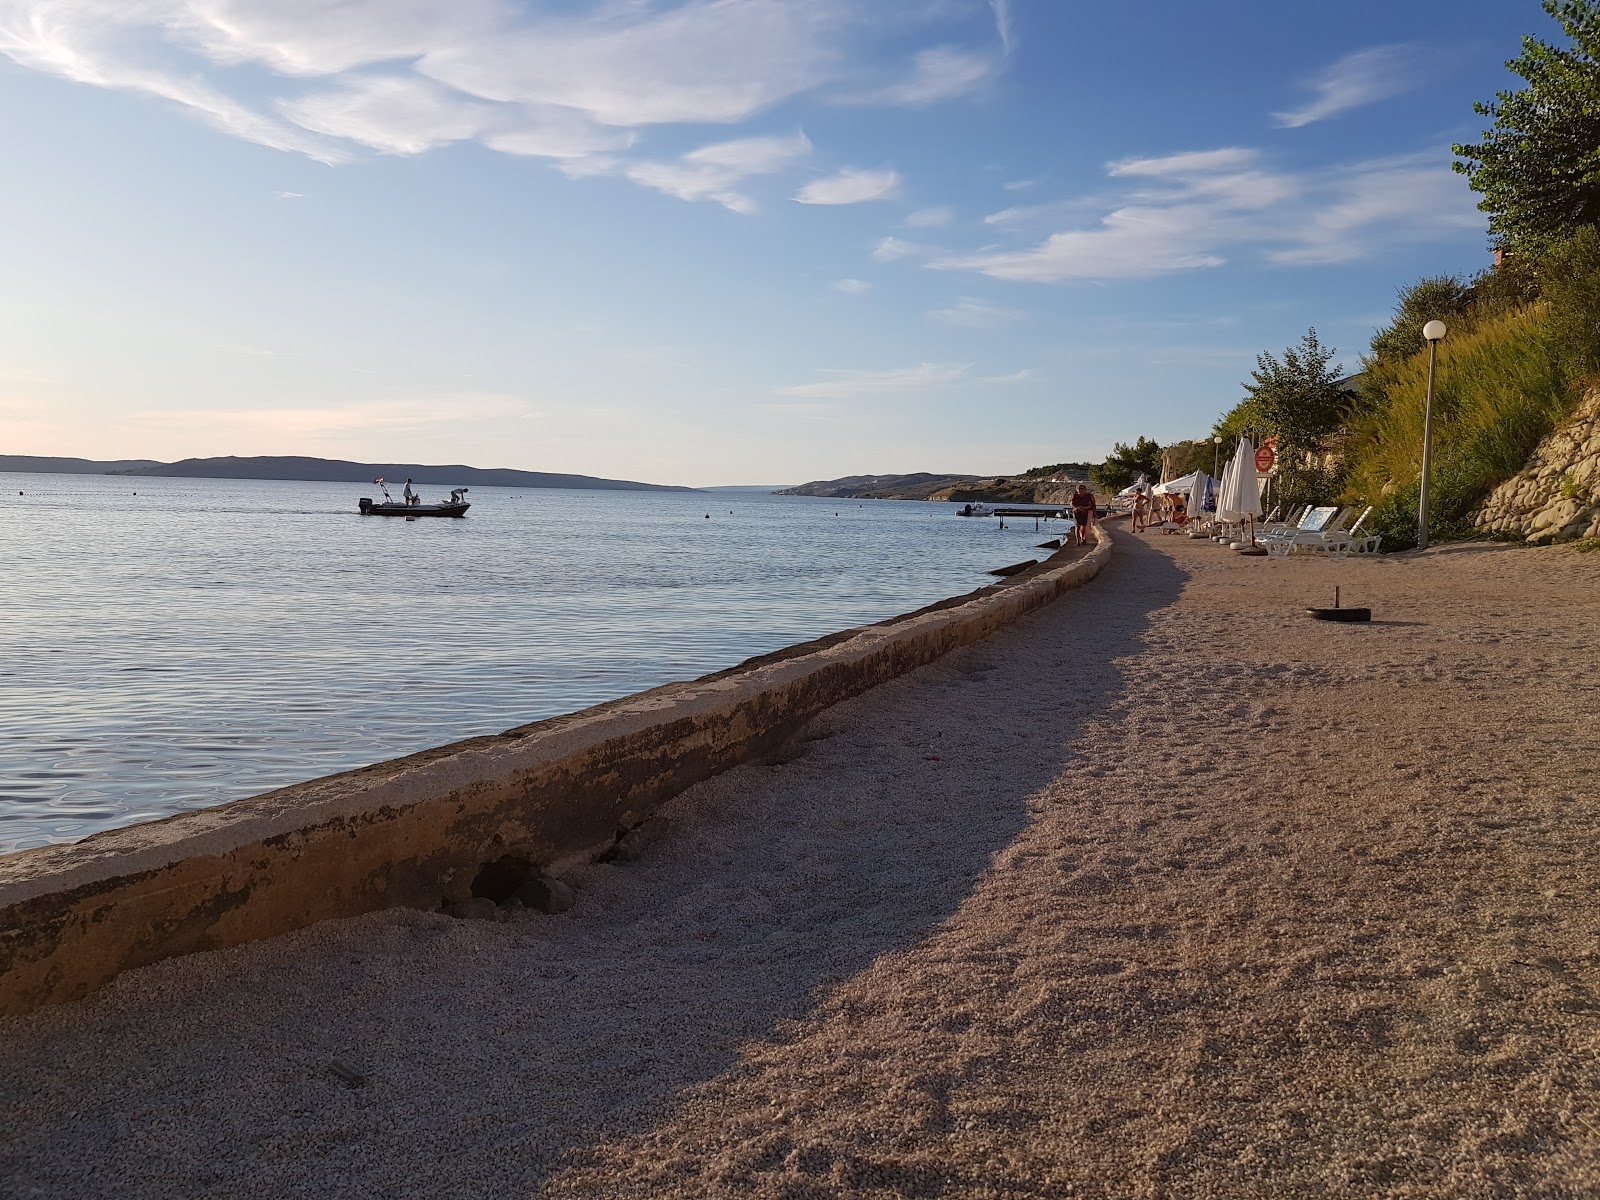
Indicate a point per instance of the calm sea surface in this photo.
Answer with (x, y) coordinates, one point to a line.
(167, 644)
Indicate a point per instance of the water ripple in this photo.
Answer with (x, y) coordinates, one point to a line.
(211, 639)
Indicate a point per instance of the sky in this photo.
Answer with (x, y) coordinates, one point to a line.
(710, 242)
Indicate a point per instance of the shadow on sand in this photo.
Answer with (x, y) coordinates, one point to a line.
(474, 1058)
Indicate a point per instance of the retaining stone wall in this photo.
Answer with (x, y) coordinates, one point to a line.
(415, 831)
(1557, 496)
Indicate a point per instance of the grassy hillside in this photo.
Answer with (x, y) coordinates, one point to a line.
(1500, 387)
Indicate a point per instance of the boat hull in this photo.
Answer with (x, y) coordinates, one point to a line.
(369, 509)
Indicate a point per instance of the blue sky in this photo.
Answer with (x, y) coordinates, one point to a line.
(709, 241)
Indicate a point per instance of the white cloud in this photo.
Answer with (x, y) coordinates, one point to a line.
(852, 287)
(892, 249)
(1358, 79)
(1377, 203)
(74, 39)
(1020, 185)
(1188, 165)
(851, 187)
(711, 172)
(289, 424)
(566, 81)
(844, 384)
(850, 384)
(288, 195)
(392, 113)
(1194, 210)
(1002, 24)
(928, 218)
(939, 73)
(976, 314)
(702, 61)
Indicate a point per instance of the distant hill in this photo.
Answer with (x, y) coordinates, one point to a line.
(918, 486)
(1052, 488)
(335, 470)
(38, 465)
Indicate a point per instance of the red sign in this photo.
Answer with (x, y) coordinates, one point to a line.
(1265, 457)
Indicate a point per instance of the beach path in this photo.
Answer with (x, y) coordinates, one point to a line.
(1165, 890)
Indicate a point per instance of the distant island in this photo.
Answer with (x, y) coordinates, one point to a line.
(39, 465)
(326, 470)
(1041, 486)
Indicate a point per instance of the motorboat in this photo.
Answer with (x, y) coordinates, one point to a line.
(456, 506)
(975, 510)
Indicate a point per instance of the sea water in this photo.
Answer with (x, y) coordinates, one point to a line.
(168, 644)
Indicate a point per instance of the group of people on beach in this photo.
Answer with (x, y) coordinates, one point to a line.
(1172, 511)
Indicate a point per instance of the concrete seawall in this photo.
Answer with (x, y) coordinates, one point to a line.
(415, 831)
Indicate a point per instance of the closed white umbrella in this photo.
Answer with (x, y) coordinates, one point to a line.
(1202, 484)
(1240, 496)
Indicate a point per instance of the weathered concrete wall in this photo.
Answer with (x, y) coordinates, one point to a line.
(1556, 497)
(414, 831)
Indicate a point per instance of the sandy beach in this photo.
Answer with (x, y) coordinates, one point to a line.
(1166, 890)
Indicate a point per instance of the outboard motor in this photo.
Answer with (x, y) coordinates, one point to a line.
(366, 504)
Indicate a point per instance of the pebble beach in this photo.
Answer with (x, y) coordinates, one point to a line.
(1164, 890)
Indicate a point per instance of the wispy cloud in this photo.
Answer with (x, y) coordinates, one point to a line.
(290, 425)
(1193, 210)
(571, 82)
(850, 384)
(712, 172)
(1411, 198)
(938, 74)
(976, 314)
(845, 384)
(852, 287)
(1358, 79)
(395, 114)
(1002, 24)
(1192, 164)
(928, 218)
(851, 187)
(892, 249)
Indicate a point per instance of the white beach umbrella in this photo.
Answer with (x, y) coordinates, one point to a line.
(1197, 490)
(1240, 496)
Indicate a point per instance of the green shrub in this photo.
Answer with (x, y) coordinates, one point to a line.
(1498, 390)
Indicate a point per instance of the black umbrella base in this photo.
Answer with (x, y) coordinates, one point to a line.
(1340, 614)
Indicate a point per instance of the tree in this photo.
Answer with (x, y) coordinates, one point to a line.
(1299, 400)
(1126, 463)
(1446, 298)
(1189, 456)
(1066, 468)
(1538, 168)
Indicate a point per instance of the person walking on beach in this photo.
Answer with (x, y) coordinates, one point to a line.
(1082, 514)
(1141, 512)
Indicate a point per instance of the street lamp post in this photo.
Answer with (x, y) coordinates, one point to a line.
(1434, 332)
(1216, 450)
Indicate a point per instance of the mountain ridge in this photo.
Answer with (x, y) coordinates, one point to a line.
(327, 470)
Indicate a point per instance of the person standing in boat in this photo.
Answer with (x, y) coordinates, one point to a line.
(411, 497)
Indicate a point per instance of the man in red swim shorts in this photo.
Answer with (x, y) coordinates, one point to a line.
(1082, 514)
